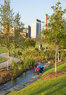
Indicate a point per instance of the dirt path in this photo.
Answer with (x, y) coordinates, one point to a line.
(4, 64)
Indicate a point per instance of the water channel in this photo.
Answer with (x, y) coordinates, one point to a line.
(25, 79)
(19, 83)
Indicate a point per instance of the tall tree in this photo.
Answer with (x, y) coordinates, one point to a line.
(19, 26)
(55, 34)
(6, 19)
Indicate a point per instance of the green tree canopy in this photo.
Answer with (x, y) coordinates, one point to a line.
(18, 26)
(55, 34)
(56, 26)
(6, 21)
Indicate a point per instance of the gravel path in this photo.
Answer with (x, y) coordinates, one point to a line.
(4, 64)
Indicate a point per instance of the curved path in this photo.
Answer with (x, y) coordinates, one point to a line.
(4, 64)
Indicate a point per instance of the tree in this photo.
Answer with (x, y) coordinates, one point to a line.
(19, 26)
(56, 34)
(6, 21)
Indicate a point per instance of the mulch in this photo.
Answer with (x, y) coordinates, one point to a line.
(53, 75)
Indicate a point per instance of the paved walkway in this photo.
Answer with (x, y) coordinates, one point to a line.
(4, 64)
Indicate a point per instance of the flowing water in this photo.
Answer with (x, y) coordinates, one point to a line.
(19, 83)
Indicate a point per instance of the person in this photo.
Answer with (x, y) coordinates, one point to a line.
(38, 69)
(40, 46)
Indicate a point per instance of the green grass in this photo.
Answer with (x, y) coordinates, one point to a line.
(60, 67)
(2, 59)
(38, 43)
(43, 44)
(56, 86)
(3, 49)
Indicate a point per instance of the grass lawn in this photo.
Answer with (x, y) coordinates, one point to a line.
(2, 59)
(56, 86)
(3, 49)
(38, 43)
(60, 67)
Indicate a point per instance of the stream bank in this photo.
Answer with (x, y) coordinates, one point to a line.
(6, 76)
(20, 82)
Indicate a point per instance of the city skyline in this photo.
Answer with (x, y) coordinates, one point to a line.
(34, 9)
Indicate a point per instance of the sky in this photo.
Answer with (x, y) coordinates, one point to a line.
(30, 10)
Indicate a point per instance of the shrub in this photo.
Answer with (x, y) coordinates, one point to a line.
(27, 62)
(30, 62)
(14, 67)
(20, 67)
(42, 48)
(51, 54)
(30, 42)
(52, 62)
(36, 49)
(64, 56)
(13, 64)
(42, 56)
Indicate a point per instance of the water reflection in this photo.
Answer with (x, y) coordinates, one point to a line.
(18, 83)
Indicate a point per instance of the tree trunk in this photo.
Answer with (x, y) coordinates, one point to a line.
(61, 54)
(55, 63)
(56, 56)
(8, 45)
(8, 63)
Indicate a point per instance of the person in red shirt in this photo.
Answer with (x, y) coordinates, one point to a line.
(37, 70)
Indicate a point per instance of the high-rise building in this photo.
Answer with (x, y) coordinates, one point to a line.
(28, 31)
(36, 28)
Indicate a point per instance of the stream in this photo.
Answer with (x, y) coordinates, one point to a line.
(19, 83)
(25, 79)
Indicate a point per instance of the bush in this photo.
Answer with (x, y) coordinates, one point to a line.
(52, 62)
(36, 49)
(42, 48)
(30, 42)
(14, 67)
(27, 62)
(51, 54)
(20, 67)
(42, 56)
(31, 62)
(11, 52)
(64, 56)
(13, 64)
